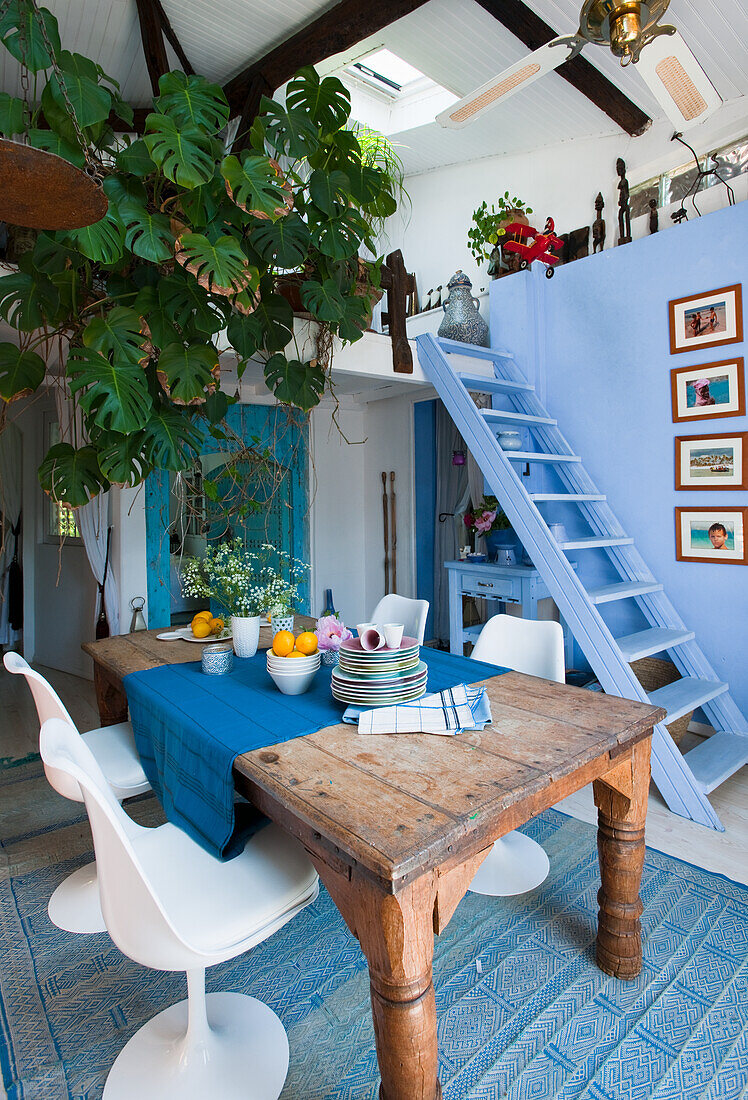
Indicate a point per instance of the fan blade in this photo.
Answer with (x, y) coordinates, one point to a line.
(678, 82)
(512, 80)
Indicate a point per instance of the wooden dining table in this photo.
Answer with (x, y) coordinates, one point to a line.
(397, 825)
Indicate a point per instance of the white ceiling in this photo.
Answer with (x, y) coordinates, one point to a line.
(455, 42)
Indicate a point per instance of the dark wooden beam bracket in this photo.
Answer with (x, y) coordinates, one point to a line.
(526, 25)
(154, 26)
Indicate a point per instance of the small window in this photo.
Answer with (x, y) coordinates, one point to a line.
(730, 160)
(61, 522)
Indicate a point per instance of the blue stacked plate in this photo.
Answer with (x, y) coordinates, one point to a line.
(379, 677)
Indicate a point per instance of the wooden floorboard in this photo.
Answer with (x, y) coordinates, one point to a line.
(720, 852)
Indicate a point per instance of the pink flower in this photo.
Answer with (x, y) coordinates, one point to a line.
(484, 522)
(331, 632)
(469, 519)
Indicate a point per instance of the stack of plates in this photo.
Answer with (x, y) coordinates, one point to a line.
(381, 677)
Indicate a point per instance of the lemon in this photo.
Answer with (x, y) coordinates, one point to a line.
(200, 628)
(201, 617)
(283, 643)
(216, 626)
(306, 643)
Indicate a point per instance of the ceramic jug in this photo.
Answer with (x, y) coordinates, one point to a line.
(462, 321)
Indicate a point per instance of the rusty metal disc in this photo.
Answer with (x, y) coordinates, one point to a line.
(42, 191)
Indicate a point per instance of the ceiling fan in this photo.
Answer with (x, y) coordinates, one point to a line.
(632, 30)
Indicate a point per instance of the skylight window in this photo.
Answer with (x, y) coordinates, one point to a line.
(387, 71)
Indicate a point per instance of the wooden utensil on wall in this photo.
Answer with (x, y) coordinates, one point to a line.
(393, 525)
(386, 534)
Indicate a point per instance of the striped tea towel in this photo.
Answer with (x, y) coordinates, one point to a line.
(448, 712)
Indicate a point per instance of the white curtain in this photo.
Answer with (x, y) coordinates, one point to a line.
(10, 508)
(93, 518)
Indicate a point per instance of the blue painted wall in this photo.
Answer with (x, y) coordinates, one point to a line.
(424, 417)
(594, 340)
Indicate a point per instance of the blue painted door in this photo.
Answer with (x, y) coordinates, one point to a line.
(259, 475)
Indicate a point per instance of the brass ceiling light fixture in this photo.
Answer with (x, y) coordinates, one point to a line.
(633, 31)
(38, 189)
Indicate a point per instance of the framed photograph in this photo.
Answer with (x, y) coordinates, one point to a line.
(711, 535)
(706, 320)
(711, 461)
(709, 391)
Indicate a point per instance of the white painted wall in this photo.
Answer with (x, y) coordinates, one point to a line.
(560, 180)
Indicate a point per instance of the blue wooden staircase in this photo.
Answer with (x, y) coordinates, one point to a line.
(685, 781)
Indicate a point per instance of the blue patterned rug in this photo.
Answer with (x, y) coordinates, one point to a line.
(524, 1013)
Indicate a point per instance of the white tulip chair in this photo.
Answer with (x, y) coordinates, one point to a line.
(517, 863)
(170, 905)
(74, 906)
(402, 609)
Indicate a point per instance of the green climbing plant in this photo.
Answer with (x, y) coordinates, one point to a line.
(189, 260)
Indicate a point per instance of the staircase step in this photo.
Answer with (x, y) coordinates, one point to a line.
(496, 416)
(717, 758)
(685, 694)
(456, 347)
(570, 498)
(646, 642)
(588, 543)
(471, 633)
(607, 593)
(539, 456)
(493, 385)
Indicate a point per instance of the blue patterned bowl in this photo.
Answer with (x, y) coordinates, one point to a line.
(218, 659)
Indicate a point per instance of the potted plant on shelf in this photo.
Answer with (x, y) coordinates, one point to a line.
(186, 262)
(488, 228)
(488, 520)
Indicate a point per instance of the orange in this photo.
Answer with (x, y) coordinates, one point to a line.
(306, 643)
(200, 628)
(283, 643)
(216, 626)
(295, 653)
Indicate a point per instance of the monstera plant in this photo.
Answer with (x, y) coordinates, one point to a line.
(187, 260)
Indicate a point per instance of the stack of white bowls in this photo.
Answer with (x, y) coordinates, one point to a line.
(292, 675)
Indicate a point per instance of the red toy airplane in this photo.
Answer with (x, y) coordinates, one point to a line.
(541, 246)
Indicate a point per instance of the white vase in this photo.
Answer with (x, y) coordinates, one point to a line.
(281, 622)
(246, 634)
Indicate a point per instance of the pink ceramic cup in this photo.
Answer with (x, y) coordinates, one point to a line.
(371, 639)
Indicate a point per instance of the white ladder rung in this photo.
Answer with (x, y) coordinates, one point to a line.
(496, 416)
(685, 694)
(570, 498)
(475, 351)
(539, 456)
(476, 384)
(717, 758)
(587, 543)
(646, 642)
(622, 590)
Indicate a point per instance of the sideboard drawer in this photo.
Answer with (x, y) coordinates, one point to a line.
(499, 588)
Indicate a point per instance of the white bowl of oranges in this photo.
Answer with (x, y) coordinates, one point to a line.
(292, 663)
(206, 627)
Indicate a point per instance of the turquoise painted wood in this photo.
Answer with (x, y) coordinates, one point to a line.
(684, 789)
(282, 518)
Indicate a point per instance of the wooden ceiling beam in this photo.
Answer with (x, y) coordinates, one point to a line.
(526, 25)
(152, 37)
(336, 30)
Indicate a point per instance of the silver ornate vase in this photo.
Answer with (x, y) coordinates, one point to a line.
(461, 320)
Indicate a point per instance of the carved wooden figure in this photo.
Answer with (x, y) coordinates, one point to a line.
(654, 217)
(598, 226)
(624, 210)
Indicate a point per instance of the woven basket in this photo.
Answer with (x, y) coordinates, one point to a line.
(653, 673)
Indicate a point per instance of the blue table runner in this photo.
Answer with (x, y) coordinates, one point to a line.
(189, 729)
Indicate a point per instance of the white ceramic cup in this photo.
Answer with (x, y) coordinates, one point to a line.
(372, 638)
(361, 627)
(393, 634)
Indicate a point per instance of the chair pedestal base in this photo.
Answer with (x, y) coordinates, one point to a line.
(243, 1053)
(515, 865)
(75, 904)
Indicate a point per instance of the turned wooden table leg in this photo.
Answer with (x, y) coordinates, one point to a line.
(110, 698)
(621, 799)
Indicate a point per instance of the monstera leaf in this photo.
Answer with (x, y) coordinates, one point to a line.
(147, 235)
(114, 396)
(324, 300)
(28, 298)
(135, 159)
(22, 37)
(284, 243)
(118, 333)
(295, 383)
(71, 476)
(53, 142)
(192, 101)
(271, 323)
(171, 440)
(90, 101)
(121, 458)
(11, 114)
(188, 373)
(21, 372)
(257, 185)
(291, 133)
(183, 153)
(104, 241)
(327, 102)
(219, 266)
(188, 303)
(329, 190)
(342, 237)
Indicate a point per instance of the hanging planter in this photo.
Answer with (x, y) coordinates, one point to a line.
(40, 190)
